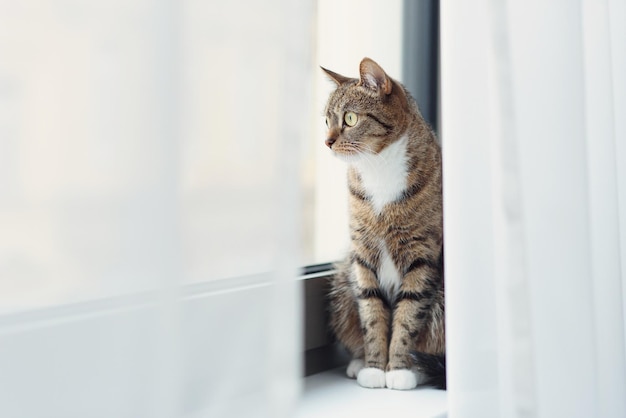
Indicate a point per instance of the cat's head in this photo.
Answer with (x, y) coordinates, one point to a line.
(364, 115)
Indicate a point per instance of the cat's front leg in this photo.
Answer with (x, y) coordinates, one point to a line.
(411, 310)
(374, 315)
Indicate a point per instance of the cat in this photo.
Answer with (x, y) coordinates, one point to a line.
(386, 300)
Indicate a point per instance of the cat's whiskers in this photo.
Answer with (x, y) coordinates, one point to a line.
(372, 159)
(352, 153)
(364, 152)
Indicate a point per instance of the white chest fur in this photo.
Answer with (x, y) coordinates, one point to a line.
(388, 276)
(384, 175)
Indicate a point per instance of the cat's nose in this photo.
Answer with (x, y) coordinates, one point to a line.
(330, 142)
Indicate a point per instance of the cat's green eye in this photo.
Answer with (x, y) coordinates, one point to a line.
(350, 118)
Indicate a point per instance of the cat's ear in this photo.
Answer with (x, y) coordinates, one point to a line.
(337, 78)
(374, 77)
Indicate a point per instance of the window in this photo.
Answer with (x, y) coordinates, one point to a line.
(342, 43)
(406, 46)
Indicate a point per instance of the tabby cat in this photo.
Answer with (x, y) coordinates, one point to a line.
(387, 299)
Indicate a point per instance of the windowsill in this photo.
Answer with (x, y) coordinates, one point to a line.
(331, 394)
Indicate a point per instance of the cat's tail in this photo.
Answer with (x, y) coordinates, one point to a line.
(433, 366)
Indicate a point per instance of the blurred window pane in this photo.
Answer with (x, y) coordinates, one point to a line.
(341, 45)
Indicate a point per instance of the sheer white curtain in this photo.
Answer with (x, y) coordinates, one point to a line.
(534, 139)
(149, 200)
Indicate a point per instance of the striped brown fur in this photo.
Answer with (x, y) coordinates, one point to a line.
(384, 312)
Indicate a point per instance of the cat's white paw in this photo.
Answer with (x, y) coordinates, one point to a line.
(355, 367)
(404, 379)
(371, 377)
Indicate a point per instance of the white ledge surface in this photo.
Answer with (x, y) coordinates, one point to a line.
(332, 395)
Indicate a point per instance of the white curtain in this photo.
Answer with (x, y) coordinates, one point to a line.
(149, 200)
(534, 140)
